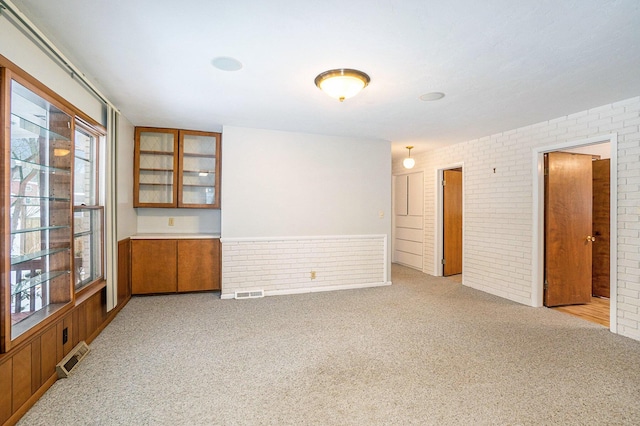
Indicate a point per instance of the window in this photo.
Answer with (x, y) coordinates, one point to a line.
(87, 212)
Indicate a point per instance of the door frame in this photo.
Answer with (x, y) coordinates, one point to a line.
(537, 285)
(438, 251)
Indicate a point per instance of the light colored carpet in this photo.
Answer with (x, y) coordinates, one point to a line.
(423, 351)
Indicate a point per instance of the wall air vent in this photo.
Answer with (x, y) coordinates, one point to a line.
(76, 355)
(254, 294)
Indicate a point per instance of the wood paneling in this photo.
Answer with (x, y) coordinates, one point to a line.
(601, 268)
(124, 270)
(198, 265)
(95, 313)
(49, 352)
(36, 363)
(6, 372)
(153, 266)
(28, 370)
(21, 378)
(67, 323)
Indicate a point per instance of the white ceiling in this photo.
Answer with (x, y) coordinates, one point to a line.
(503, 64)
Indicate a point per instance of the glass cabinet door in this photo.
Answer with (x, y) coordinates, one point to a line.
(40, 209)
(199, 154)
(156, 165)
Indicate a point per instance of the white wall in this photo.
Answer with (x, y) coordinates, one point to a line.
(19, 49)
(189, 221)
(498, 216)
(291, 184)
(295, 203)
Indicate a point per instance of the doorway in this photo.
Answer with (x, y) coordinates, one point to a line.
(575, 232)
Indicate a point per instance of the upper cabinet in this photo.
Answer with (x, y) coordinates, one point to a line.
(176, 168)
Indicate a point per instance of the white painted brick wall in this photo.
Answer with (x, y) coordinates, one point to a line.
(284, 265)
(499, 206)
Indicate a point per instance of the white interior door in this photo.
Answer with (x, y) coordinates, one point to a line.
(409, 220)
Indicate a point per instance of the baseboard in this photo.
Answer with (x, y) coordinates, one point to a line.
(304, 290)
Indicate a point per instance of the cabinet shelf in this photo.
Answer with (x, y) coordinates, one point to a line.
(198, 185)
(42, 228)
(168, 153)
(156, 170)
(23, 125)
(208, 172)
(42, 167)
(40, 198)
(36, 255)
(156, 184)
(28, 283)
(195, 154)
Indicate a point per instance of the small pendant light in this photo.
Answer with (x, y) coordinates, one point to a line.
(409, 162)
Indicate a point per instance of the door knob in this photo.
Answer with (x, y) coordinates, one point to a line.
(590, 238)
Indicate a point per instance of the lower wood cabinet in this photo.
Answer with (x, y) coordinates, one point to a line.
(170, 266)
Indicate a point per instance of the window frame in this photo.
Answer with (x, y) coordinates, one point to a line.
(98, 136)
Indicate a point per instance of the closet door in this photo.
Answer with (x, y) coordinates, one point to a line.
(408, 229)
(401, 191)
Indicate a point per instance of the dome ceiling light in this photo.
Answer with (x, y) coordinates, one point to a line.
(342, 83)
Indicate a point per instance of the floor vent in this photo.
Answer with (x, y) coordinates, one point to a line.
(249, 294)
(67, 364)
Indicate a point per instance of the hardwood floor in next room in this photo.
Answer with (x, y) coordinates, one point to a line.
(597, 311)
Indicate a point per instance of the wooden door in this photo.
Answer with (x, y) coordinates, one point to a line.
(452, 221)
(153, 266)
(601, 221)
(568, 191)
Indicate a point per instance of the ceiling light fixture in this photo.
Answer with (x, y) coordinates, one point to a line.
(409, 162)
(342, 83)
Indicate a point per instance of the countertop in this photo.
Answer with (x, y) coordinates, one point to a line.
(167, 236)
